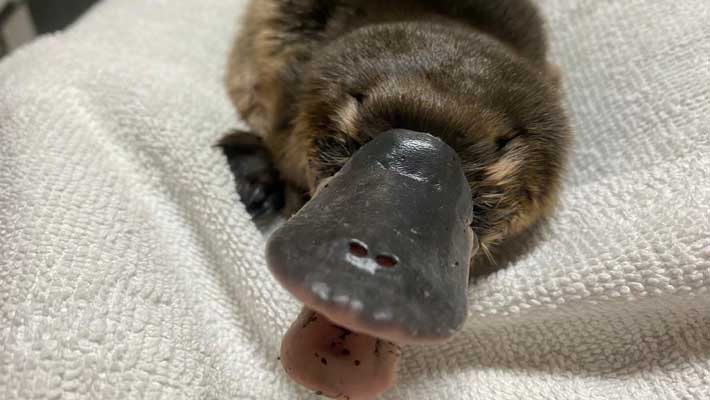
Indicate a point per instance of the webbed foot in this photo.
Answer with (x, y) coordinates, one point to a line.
(258, 183)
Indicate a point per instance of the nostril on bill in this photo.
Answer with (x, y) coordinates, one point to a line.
(386, 261)
(358, 249)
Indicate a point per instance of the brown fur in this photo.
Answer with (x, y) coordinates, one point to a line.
(318, 78)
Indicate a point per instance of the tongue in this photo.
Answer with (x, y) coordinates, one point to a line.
(336, 362)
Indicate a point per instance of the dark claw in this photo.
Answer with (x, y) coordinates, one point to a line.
(257, 180)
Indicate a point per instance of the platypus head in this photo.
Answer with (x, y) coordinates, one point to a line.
(414, 164)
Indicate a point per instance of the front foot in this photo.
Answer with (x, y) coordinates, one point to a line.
(258, 183)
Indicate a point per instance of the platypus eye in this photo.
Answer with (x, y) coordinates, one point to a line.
(358, 96)
(503, 141)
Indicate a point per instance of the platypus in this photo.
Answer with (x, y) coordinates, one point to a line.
(405, 139)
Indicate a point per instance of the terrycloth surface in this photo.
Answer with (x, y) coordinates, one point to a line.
(128, 269)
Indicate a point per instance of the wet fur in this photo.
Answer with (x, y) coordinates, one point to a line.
(318, 78)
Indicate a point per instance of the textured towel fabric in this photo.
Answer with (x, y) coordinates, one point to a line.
(128, 269)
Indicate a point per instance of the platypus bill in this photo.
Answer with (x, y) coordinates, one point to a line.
(425, 133)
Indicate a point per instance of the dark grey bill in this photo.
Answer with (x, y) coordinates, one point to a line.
(383, 248)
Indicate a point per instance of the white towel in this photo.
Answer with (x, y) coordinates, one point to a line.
(128, 268)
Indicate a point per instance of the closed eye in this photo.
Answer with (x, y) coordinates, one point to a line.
(503, 141)
(359, 97)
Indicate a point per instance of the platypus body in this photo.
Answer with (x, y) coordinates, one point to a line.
(318, 80)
